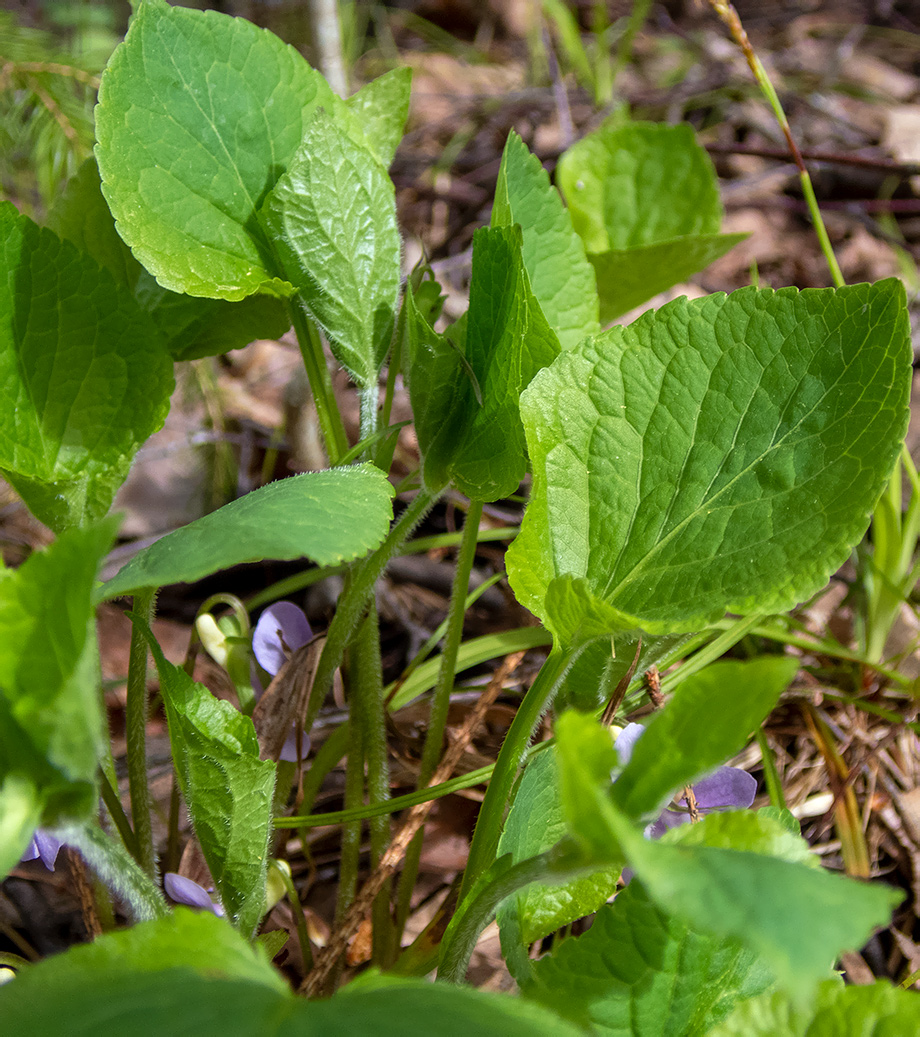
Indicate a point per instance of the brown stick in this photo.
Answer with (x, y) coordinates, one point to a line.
(360, 908)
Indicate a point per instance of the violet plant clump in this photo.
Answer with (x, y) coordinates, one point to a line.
(712, 462)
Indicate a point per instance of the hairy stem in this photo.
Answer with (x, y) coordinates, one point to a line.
(367, 709)
(136, 732)
(440, 699)
(491, 814)
(353, 602)
(314, 360)
(115, 867)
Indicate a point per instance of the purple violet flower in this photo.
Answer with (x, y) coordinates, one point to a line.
(282, 629)
(45, 846)
(727, 788)
(184, 891)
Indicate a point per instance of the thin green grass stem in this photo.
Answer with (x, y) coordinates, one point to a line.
(770, 774)
(353, 602)
(538, 699)
(709, 653)
(729, 15)
(136, 732)
(399, 803)
(440, 699)
(314, 359)
(441, 629)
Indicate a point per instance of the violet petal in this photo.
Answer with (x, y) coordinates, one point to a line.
(45, 846)
(184, 891)
(728, 788)
(625, 741)
(289, 749)
(667, 819)
(281, 626)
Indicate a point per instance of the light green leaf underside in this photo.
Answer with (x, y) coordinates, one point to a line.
(637, 972)
(191, 327)
(328, 517)
(541, 909)
(198, 116)
(637, 184)
(878, 1010)
(716, 455)
(709, 718)
(332, 218)
(51, 724)
(626, 278)
(383, 107)
(560, 276)
(84, 378)
(226, 787)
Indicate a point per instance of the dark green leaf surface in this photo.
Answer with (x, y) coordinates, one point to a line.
(710, 718)
(717, 455)
(198, 116)
(81, 215)
(628, 277)
(185, 939)
(441, 390)
(554, 256)
(541, 909)
(638, 972)
(332, 218)
(180, 1003)
(480, 448)
(84, 378)
(639, 183)
(51, 724)
(227, 788)
(507, 342)
(191, 327)
(383, 107)
(328, 517)
(878, 1010)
